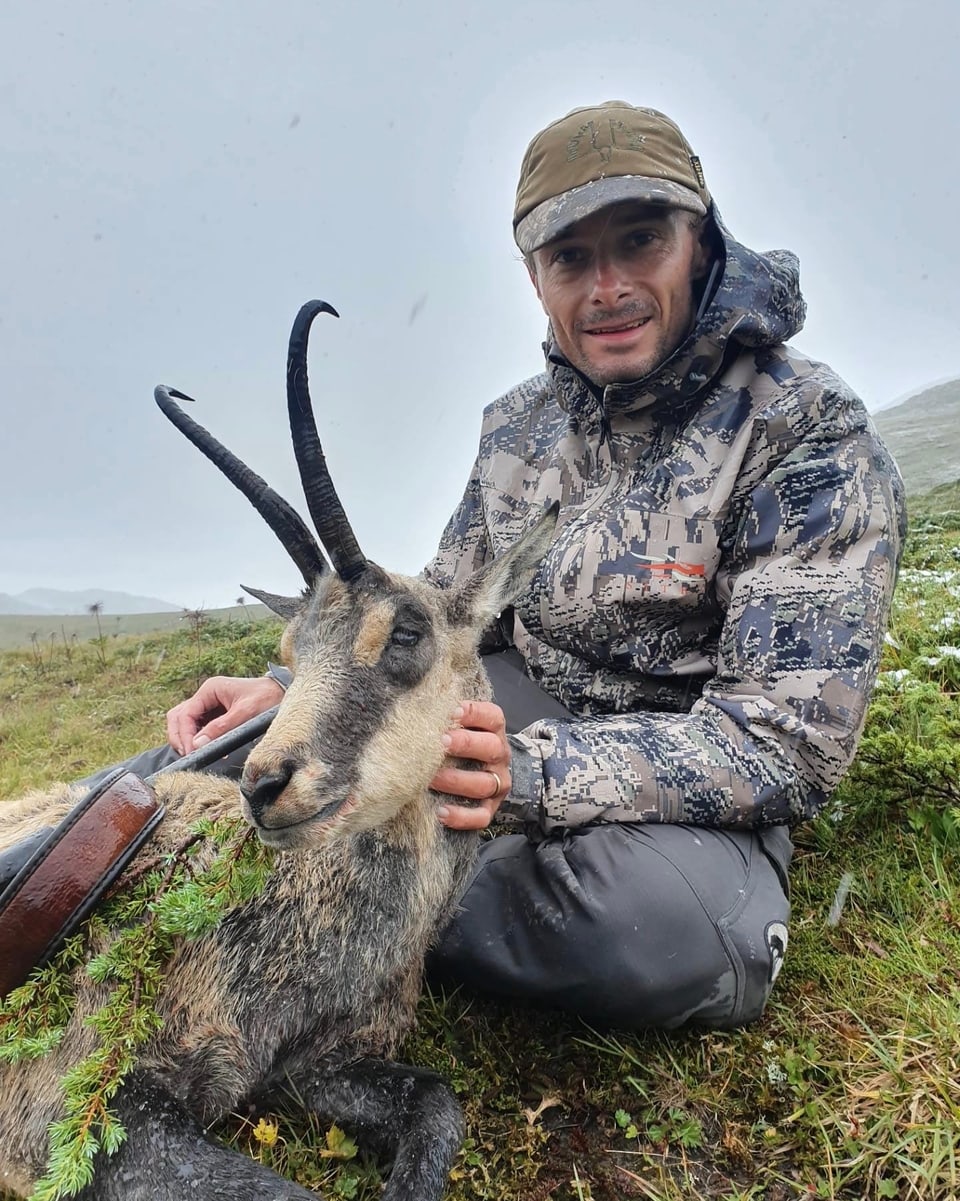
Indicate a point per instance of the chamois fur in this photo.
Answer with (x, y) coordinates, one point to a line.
(305, 991)
(298, 990)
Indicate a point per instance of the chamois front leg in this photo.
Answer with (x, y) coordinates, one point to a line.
(404, 1113)
(167, 1157)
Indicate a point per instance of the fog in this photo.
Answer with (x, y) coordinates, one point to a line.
(180, 177)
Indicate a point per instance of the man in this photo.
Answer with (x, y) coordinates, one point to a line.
(705, 632)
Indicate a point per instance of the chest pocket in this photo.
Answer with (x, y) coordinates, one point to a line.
(668, 559)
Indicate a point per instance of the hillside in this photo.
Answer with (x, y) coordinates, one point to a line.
(16, 604)
(57, 602)
(923, 432)
(41, 629)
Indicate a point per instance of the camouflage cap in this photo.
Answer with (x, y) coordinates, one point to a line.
(598, 156)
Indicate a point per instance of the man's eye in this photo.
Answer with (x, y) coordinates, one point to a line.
(402, 637)
(641, 238)
(566, 256)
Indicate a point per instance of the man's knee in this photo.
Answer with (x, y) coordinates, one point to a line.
(695, 933)
(626, 925)
(756, 931)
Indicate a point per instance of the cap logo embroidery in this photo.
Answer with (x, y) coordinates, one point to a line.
(629, 140)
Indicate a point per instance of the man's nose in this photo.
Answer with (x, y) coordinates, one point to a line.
(611, 282)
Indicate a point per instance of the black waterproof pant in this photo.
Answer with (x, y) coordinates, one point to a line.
(624, 924)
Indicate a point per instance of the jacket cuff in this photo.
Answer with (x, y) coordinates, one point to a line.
(524, 802)
(280, 675)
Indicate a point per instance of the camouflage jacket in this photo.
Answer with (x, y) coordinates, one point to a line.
(714, 605)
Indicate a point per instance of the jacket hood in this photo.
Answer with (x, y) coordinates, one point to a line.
(757, 303)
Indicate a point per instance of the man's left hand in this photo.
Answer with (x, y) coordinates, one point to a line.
(482, 736)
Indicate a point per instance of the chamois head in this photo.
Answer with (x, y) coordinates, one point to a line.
(380, 660)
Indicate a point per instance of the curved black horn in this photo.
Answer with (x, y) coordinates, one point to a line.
(281, 517)
(328, 514)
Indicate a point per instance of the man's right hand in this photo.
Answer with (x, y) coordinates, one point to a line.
(220, 704)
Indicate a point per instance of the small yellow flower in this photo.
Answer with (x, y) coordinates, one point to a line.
(266, 1132)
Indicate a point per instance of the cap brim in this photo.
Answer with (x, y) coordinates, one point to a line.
(549, 220)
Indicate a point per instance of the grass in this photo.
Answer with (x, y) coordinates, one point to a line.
(849, 1088)
(64, 713)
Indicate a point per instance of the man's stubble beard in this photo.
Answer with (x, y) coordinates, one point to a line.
(665, 349)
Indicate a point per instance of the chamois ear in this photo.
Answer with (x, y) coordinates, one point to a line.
(286, 607)
(491, 589)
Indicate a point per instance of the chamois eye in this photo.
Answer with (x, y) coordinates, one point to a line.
(402, 637)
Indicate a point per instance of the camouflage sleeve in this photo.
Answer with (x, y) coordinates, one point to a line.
(464, 546)
(807, 584)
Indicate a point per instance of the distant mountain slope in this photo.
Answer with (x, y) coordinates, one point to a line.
(21, 631)
(924, 435)
(14, 604)
(58, 602)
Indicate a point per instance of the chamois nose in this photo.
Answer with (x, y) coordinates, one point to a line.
(264, 790)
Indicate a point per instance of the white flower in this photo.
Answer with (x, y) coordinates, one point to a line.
(775, 1073)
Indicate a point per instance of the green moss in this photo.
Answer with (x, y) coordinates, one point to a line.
(140, 927)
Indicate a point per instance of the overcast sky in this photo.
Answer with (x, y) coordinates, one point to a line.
(179, 177)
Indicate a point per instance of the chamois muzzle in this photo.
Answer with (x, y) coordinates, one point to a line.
(261, 794)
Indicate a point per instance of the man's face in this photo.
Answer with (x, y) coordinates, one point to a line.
(618, 289)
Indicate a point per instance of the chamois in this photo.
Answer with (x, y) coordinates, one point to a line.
(305, 990)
